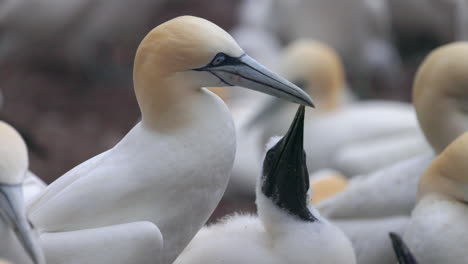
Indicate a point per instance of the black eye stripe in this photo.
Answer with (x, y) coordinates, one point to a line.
(227, 60)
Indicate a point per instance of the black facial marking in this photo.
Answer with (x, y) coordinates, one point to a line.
(220, 59)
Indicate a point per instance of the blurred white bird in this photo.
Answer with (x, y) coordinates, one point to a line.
(437, 88)
(333, 126)
(370, 237)
(439, 94)
(437, 230)
(286, 230)
(19, 242)
(180, 155)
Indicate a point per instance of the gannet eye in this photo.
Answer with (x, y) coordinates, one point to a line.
(218, 59)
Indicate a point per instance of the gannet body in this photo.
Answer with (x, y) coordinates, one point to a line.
(386, 192)
(438, 94)
(437, 230)
(19, 242)
(286, 230)
(370, 237)
(136, 242)
(179, 156)
(353, 159)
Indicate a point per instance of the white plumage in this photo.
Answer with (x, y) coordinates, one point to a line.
(437, 230)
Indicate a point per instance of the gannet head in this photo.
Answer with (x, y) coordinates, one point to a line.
(447, 173)
(285, 179)
(402, 252)
(13, 168)
(196, 53)
(317, 68)
(440, 94)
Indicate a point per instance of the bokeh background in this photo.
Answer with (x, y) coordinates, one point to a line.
(66, 66)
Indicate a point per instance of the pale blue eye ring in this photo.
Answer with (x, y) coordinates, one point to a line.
(218, 59)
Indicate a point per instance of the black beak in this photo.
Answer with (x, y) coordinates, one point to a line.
(285, 178)
(402, 252)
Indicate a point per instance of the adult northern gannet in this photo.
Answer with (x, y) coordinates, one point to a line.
(172, 168)
(19, 242)
(439, 93)
(286, 229)
(437, 231)
(402, 252)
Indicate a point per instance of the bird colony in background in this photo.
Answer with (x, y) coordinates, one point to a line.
(347, 182)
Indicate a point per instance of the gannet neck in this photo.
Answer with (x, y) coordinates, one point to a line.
(14, 155)
(446, 175)
(318, 68)
(165, 101)
(163, 77)
(440, 93)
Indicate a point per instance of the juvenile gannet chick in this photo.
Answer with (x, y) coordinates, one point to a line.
(180, 155)
(402, 251)
(19, 242)
(437, 231)
(286, 230)
(440, 92)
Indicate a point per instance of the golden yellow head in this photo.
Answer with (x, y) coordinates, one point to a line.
(184, 43)
(440, 94)
(447, 174)
(13, 155)
(318, 67)
(187, 53)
